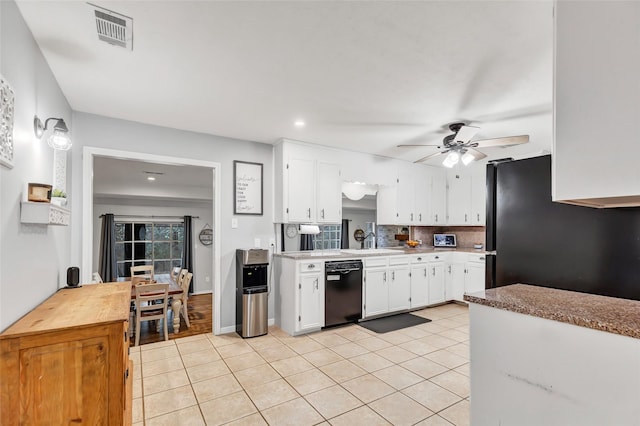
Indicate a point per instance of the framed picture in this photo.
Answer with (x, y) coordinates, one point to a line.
(6, 123)
(247, 189)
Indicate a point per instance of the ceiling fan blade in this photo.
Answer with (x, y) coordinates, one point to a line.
(404, 145)
(506, 141)
(477, 155)
(430, 156)
(465, 133)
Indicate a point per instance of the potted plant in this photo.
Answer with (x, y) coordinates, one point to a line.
(59, 197)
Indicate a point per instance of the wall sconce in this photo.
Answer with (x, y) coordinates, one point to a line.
(59, 139)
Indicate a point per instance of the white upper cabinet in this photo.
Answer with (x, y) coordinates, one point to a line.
(301, 178)
(479, 196)
(307, 186)
(438, 199)
(459, 200)
(597, 103)
(329, 193)
(406, 195)
(422, 200)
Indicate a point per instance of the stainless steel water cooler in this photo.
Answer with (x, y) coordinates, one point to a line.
(252, 292)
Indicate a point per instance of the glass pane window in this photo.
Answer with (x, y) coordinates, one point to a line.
(328, 238)
(158, 244)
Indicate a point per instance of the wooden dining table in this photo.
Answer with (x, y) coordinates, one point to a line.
(176, 303)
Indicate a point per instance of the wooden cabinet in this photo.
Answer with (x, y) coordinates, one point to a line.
(66, 362)
(299, 295)
(596, 68)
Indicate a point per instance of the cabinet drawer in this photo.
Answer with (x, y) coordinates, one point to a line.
(478, 258)
(433, 257)
(311, 266)
(373, 262)
(398, 260)
(419, 258)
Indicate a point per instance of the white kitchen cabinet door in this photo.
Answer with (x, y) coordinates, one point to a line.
(301, 182)
(422, 198)
(455, 281)
(479, 197)
(438, 200)
(311, 312)
(435, 273)
(329, 193)
(596, 69)
(406, 196)
(474, 279)
(387, 205)
(459, 200)
(399, 288)
(376, 292)
(419, 285)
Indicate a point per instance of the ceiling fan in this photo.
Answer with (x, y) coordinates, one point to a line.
(460, 147)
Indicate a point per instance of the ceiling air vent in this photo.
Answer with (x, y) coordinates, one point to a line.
(113, 28)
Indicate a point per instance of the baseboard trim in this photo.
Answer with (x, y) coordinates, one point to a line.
(232, 328)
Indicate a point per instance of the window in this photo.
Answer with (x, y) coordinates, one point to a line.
(157, 244)
(328, 238)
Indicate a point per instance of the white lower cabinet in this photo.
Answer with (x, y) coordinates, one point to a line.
(400, 284)
(387, 285)
(419, 282)
(299, 298)
(474, 273)
(435, 272)
(376, 293)
(455, 274)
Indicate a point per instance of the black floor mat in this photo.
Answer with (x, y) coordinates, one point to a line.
(395, 322)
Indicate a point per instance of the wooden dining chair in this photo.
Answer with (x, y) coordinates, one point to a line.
(185, 296)
(141, 273)
(174, 273)
(181, 275)
(151, 304)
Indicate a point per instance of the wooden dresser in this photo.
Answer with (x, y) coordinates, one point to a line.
(67, 361)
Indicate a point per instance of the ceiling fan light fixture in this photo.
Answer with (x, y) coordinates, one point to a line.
(467, 158)
(451, 160)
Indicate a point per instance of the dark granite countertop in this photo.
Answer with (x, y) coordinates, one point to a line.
(382, 251)
(619, 316)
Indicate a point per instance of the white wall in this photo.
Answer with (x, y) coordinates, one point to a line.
(34, 257)
(103, 132)
(202, 265)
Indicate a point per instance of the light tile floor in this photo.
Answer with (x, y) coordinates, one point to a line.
(342, 376)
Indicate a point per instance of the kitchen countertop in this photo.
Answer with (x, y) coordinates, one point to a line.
(618, 316)
(384, 251)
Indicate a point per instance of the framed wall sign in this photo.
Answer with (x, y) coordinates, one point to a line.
(206, 235)
(247, 189)
(6, 123)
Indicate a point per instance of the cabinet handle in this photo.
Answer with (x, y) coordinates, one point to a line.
(311, 266)
(465, 217)
(433, 271)
(436, 217)
(419, 259)
(478, 217)
(322, 213)
(393, 275)
(420, 217)
(316, 284)
(384, 277)
(437, 257)
(425, 272)
(309, 212)
(411, 217)
(482, 258)
(449, 268)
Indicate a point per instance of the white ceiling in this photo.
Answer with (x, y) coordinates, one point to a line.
(364, 75)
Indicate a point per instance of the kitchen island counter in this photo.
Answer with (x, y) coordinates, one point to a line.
(614, 315)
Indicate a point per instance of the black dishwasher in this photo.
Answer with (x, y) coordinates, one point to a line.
(343, 292)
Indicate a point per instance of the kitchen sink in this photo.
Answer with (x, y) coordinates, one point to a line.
(369, 251)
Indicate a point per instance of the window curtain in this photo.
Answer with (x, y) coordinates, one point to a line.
(187, 248)
(107, 260)
(306, 242)
(344, 236)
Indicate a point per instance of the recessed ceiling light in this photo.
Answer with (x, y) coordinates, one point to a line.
(150, 178)
(299, 123)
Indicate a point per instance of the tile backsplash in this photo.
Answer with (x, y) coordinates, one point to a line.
(467, 236)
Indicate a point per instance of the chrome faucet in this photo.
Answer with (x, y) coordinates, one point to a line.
(370, 234)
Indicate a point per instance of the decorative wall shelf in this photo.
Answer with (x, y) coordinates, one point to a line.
(44, 213)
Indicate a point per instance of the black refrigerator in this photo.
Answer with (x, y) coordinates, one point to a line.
(532, 240)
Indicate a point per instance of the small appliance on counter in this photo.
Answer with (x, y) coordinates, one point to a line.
(444, 240)
(252, 292)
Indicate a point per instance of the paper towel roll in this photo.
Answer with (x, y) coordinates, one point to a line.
(309, 229)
